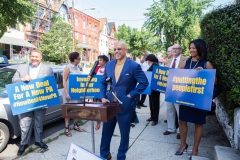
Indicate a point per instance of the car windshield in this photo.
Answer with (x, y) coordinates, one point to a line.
(2, 60)
(6, 75)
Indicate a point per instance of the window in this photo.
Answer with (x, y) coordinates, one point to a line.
(89, 26)
(6, 76)
(84, 24)
(76, 35)
(83, 38)
(95, 29)
(59, 79)
(89, 40)
(76, 21)
(106, 43)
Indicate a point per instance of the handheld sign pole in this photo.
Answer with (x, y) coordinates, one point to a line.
(91, 74)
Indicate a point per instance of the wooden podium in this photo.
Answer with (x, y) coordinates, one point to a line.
(95, 111)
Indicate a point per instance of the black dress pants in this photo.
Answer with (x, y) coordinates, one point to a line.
(154, 99)
(140, 99)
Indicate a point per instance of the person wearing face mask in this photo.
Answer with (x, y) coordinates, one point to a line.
(154, 98)
(25, 73)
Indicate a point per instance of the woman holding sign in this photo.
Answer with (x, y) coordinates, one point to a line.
(198, 61)
(72, 67)
(155, 96)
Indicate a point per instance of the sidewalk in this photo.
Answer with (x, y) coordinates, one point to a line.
(146, 142)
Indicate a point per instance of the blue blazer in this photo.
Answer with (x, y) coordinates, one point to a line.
(132, 80)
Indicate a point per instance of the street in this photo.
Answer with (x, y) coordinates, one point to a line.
(11, 150)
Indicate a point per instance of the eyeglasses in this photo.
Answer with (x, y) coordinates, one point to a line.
(119, 49)
(176, 48)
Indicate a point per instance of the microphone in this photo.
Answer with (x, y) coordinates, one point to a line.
(92, 72)
(109, 83)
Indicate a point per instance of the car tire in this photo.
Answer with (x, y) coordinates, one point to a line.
(4, 136)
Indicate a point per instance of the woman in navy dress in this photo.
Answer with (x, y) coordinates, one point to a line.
(198, 61)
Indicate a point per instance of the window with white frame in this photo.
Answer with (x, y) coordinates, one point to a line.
(84, 24)
(89, 40)
(95, 28)
(83, 38)
(89, 26)
(76, 21)
(76, 35)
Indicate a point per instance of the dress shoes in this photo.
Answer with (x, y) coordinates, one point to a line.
(143, 105)
(41, 145)
(22, 149)
(167, 133)
(178, 153)
(109, 157)
(178, 136)
(138, 107)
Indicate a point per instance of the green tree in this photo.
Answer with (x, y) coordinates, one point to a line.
(124, 33)
(177, 20)
(14, 12)
(57, 43)
(138, 41)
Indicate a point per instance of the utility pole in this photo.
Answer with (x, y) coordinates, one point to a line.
(73, 22)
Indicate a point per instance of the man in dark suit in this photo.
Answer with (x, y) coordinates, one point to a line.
(125, 75)
(26, 73)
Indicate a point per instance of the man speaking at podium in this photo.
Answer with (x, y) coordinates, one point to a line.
(125, 74)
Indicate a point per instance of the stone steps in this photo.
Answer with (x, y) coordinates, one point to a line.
(200, 158)
(226, 153)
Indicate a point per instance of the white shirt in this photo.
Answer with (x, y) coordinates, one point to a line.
(177, 61)
(145, 66)
(100, 71)
(33, 71)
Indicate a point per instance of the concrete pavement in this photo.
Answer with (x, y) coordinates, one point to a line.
(146, 142)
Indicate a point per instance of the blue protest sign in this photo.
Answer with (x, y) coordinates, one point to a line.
(159, 78)
(148, 89)
(77, 86)
(36, 94)
(191, 87)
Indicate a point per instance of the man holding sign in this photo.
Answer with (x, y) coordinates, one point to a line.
(172, 108)
(26, 73)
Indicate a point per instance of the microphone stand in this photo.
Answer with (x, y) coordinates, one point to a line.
(92, 125)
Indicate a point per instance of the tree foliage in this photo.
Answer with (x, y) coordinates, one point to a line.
(138, 41)
(177, 20)
(14, 12)
(57, 43)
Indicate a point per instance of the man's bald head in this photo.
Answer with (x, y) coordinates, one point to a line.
(120, 50)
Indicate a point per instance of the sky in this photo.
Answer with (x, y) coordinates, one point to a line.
(129, 12)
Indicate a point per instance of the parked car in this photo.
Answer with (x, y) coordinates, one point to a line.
(9, 124)
(3, 61)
